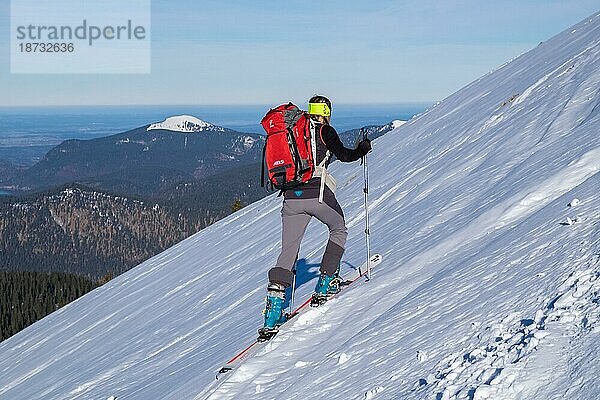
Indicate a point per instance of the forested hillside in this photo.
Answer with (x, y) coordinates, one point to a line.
(90, 233)
(26, 297)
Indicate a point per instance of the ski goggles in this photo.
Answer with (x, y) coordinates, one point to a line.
(319, 109)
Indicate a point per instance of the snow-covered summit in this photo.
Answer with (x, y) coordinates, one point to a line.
(397, 123)
(185, 123)
(484, 291)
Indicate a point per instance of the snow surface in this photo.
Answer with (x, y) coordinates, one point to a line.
(184, 123)
(485, 291)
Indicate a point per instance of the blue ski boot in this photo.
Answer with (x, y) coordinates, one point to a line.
(273, 312)
(327, 286)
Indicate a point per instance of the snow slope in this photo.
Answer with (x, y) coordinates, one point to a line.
(486, 291)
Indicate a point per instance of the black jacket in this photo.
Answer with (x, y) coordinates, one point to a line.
(326, 139)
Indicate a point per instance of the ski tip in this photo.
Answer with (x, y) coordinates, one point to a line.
(222, 371)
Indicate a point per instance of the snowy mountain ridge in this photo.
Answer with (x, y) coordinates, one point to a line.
(397, 123)
(486, 291)
(185, 123)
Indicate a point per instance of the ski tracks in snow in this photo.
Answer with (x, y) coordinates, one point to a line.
(519, 357)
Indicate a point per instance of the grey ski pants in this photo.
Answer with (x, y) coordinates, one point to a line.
(296, 214)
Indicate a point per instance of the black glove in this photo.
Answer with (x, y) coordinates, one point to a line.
(364, 147)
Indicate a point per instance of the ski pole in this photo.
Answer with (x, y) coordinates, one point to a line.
(366, 192)
(293, 286)
(293, 290)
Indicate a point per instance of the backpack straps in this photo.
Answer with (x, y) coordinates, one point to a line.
(321, 169)
(326, 178)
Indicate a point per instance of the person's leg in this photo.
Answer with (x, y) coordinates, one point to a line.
(294, 222)
(330, 213)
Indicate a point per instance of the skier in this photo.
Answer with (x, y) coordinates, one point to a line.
(314, 198)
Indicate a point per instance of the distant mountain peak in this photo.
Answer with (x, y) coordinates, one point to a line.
(185, 123)
(397, 123)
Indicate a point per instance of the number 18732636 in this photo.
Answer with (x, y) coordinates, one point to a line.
(34, 47)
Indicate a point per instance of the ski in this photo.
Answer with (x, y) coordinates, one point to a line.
(260, 343)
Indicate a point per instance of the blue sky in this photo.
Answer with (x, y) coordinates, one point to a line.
(250, 52)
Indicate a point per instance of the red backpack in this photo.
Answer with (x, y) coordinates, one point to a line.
(288, 150)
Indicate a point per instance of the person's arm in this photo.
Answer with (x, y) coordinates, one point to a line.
(334, 144)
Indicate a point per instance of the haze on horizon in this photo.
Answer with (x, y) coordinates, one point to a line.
(235, 52)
